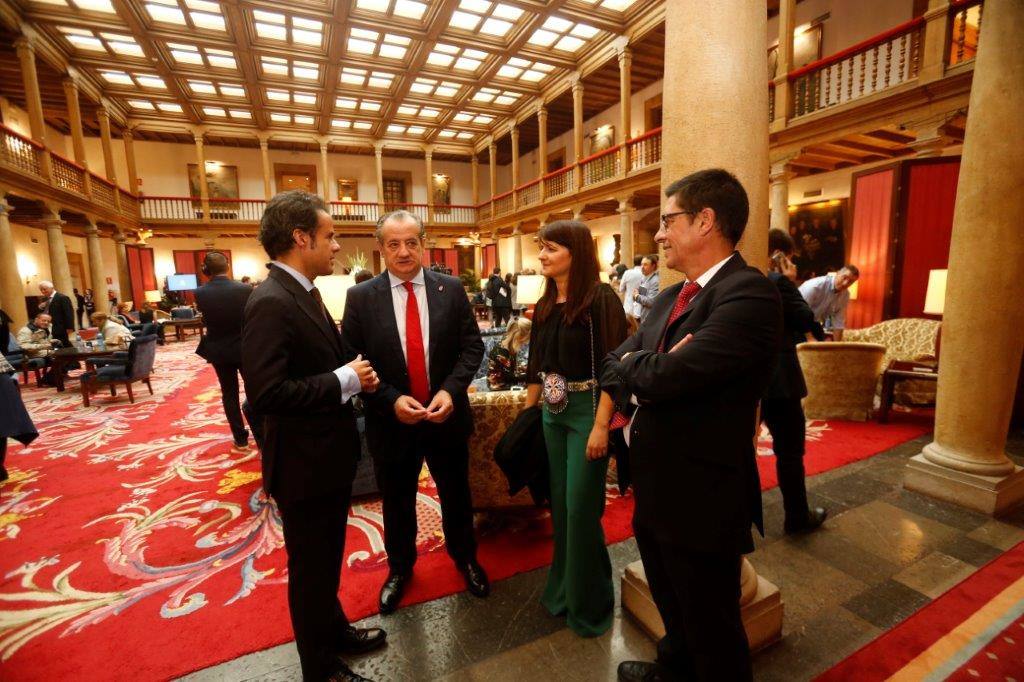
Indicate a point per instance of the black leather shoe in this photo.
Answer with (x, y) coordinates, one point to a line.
(360, 640)
(643, 671)
(815, 517)
(476, 579)
(342, 673)
(391, 593)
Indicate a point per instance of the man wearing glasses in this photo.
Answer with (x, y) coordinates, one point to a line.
(693, 373)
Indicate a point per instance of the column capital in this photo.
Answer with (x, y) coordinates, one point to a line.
(323, 147)
(378, 147)
(101, 112)
(128, 134)
(517, 228)
(624, 53)
(91, 228)
(428, 151)
(53, 220)
(542, 110)
(576, 81)
(5, 208)
(70, 83)
(22, 43)
(119, 236)
(513, 130)
(473, 161)
(264, 144)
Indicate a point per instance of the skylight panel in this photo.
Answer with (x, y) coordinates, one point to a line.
(285, 28)
(543, 38)
(202, 87)
(221, 58)
(569, 44)
(341, 123)
(141, 105)
(241, 114)
(446, 134)
(199, 13)
(96, 6)
(380, 80)
(485, 18)
(557, 24)
(563, 34)
(362, 125)
(396, 129)
(169, 107)
(507, 12)
(614, 5)
(517, 68)
(304, 120)
(409, 9)
(165, 14)
(151, 82)
(496, 27)
(478, 6)
(306, 70)
(304, 98)
(465, 20)
(415, 130)
(186, 54)
(280, 118)
(86, 43)
(215, 111)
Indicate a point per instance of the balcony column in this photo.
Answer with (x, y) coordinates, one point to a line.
(103, 118)
(787, 24)
(204, 190)
(474, 165)
(778, 178)
(128, 137)
(33, 102)
(625, 104)
(12, 289)
(325, 183)
(514, 134)
(577, 127)
(97, 279)
(932, 52)
(268, 191)
(492, 151)
(517, 247)
(542, 148)
(428, 158)
(626, 231)
(77, 136)
(966, 464)
(378, 153)
(60, 271)
(124, 279)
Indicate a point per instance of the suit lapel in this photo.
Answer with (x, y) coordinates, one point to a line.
(732, 265)
(434, 291)
(658, 317)
(306, 304)
(385, 305)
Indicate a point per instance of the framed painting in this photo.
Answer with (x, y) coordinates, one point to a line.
(221, 181)
(818, 233)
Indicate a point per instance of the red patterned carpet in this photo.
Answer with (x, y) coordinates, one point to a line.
(135, 545)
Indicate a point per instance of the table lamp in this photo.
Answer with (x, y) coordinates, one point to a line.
(334, 290)
(529, 289)
(935, 297)
(153, 296)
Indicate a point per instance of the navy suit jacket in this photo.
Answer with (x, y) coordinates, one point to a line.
(222, 302)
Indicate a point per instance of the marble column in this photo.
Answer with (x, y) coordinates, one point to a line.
(268, 191)
(12, 290)
(75, 121)
(204, 190)
(129, 154)
(428, 159)
(60, 271)
(325, 174)
(542, 148)
(779, 178)
(514, 135)
(492, 151)
(97, 277)
(474, 165)
(577, 128)
(124, 280)
(378, 153)
(103, 118)
(33, 101)
(517, 247)
(626, 232)
(966, 463)
(787, 24)
(625, 105)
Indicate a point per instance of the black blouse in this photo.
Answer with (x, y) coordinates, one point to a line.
(565, 349)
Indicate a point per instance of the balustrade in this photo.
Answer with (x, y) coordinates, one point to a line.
(170, 208)
(964, 30)
(354, 211)
(68, 174)
(455, 214)
(602, 166)
(559, 182)
(21, 152)
(103, 191)
(418, 210)
(503, 204)
(645, 150)
(129, 203)
(528, 194)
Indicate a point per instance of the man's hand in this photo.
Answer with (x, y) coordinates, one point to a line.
(408, 410)
(368, 380)
(636, 295)
(597, 443)
(440, 408)
(788, 268)
(682, 342)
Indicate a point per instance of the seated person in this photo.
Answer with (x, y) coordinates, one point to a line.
(34, 338)
(506, 363)
(115, 335)
(124, 314)
(153, 314)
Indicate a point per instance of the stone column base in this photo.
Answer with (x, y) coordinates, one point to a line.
(987, 494)
(762, 616)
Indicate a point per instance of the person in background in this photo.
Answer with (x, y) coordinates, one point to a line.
(79, 308)
(507, 361)
(363, 276)
(5, 331)
(112, 301)
(247, 280)
(115, 335)
(58, 307)
(828, 296)
(89, 302)
(577, 322)
(35, 337)
(510, 282)
(649, 285)
(124, 314)
(500, 294)
(781, 408)
(628, 284)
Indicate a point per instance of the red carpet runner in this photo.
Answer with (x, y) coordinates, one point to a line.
(973, 632)
(134, 544)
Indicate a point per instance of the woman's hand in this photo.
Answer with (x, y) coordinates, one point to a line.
(597, 444)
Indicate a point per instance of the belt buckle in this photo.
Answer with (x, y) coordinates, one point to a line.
(556, 392)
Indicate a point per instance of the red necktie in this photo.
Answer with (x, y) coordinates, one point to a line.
(686, 295)
(415, 358)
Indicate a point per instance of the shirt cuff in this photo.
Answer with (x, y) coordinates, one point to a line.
(349, 382)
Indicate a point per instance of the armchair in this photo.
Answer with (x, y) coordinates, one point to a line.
(137, 366)
(840, 378)
(15, 355)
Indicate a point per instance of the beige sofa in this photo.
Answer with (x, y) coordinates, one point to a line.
(840, 378)
(908, 339)
(493, 412)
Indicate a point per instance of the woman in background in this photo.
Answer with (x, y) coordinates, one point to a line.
(115, 335)
(507, 362)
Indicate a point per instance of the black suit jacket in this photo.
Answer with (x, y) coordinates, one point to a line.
(456, 351)
(289, 354)
(798, 320)
(692, 458)
(222, 302)
(62, 315)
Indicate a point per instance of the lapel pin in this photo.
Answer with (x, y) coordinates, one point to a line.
(440, 287)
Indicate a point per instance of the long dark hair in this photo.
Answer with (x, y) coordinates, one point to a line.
(584, 272)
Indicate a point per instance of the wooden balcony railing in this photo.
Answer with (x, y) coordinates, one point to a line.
(235, 209)
(964, 30)
(21, 152)
(559, 182)
(103, 191)
(871, 66)
(454, 214)
(645, 150)
(528, 194)
(771, 101)
(170, 208)
(601, 166)
(354, 211)
(129, 203)
(503, 204)
(418, 210)
(483, 211)
(68, 175)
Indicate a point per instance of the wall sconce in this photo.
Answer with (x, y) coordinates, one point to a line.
(27, 268)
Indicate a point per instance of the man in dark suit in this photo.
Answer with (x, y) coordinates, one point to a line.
(299, 378)
(61, 312)
(222, 302)
(696, 368)
(418, 330)
(781, 408)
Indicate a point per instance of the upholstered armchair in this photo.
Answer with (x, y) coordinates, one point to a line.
(908, 339)
(840, 378)
(493, 412)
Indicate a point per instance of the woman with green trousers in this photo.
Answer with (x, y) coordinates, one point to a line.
(577, 321)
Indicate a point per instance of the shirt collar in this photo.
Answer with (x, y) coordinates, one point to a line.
(299, 277)
(703, 280)
(396, 282)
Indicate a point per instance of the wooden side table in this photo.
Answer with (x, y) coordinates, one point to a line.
(899, 370)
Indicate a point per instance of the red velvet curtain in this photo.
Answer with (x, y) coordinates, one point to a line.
(451, 260)
(869, 250)
(490, 259)
(928, 225)
(136, 275)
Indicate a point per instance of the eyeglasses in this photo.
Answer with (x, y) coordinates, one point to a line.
(667, 217)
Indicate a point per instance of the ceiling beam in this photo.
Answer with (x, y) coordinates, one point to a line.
(246, 59)
(332, 72)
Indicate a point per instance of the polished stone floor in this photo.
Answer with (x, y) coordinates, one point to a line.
(884, 553)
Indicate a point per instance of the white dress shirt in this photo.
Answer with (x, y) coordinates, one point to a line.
(627, 285)
(347, 376)
(400, 299)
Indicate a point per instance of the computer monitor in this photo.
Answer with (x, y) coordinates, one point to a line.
(182, 283)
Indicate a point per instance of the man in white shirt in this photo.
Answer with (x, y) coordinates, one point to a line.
(628, 285)
(828, 296)
(650, 285)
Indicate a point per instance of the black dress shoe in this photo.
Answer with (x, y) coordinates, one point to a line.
(643, 671)
(476, 579)
(342, 673)
(360, 640)
(391, 593)
(815, 517)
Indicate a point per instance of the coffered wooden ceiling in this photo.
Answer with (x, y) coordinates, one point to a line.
(450, 73)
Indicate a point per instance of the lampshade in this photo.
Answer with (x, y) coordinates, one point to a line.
(530, 289)
(935, 298)
(605, 277)
(153, 296)
(853, 291)
(483, 284)
(334, 290)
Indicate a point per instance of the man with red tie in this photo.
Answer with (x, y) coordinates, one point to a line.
(694, 373)
(418, 331)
